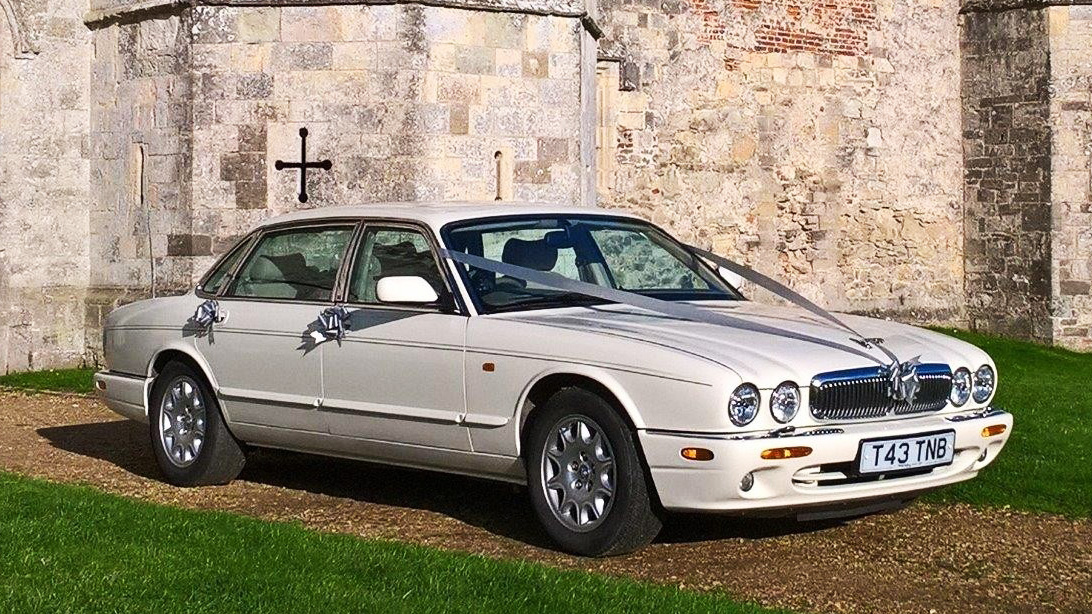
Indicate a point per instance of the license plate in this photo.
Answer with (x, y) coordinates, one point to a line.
(912, 452)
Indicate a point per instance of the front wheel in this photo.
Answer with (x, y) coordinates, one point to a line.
(586, 481)
(192, 445)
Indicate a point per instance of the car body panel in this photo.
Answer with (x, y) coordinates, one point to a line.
(452, 390)
(397, 376)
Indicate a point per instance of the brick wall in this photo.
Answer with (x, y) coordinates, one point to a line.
(1007, 179)
(839, 27)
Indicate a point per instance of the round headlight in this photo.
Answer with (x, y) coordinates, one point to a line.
(743, 406)
(961, 387)
(785, 402)
(983, 384)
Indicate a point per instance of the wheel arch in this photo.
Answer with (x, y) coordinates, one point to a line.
(545, 384)
(596, 381)
(180, 354)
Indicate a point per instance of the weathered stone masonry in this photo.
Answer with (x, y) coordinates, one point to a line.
(1006, 124)
(1027, 120)
(818, 141)
(924, 160)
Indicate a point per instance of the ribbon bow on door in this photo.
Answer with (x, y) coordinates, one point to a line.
(332, 324)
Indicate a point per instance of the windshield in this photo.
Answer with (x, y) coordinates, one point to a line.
(619, 253)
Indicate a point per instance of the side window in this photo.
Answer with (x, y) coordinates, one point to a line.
(639, 263)
(298, 264)
(391, 252)
(219, 275)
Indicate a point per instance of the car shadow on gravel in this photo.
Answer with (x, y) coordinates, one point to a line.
(498, 508)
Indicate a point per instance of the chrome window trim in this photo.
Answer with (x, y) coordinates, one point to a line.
(244, 244)
(352, 223)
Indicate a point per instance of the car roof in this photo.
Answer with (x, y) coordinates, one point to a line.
(437, 214)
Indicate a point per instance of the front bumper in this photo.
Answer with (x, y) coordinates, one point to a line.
(797, 484)
(123, 393)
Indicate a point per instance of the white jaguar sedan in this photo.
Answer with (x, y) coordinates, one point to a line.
(585, 353)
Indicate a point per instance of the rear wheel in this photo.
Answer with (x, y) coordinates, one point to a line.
(587, 484)
(191, 442)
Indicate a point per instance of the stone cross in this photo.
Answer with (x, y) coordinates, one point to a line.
(303, 165)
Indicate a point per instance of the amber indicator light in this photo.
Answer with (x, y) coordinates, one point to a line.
(783, 453)
(489, 367)
(697, 454)
(996, 429)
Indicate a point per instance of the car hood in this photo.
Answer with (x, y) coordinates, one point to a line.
(764, 358)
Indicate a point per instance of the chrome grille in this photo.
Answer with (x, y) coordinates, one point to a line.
(855, 394)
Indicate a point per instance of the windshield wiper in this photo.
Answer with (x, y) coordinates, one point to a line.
(563, 299)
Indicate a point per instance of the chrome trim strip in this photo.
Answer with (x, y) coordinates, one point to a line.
(931, 368)
(987, 412)
(807, 431)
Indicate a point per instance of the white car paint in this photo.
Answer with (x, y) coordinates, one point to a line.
(413, 386)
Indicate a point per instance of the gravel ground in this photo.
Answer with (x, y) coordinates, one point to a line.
(925, 558)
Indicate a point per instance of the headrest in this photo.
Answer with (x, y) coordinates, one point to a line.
(530, 254)
(401, 250)
(292, 266)
(266, 270)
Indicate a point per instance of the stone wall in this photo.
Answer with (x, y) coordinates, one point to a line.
(44, 52)
(1070, 29)
(1006, 128)
(408, 102)
(140, 216)
(818, 141)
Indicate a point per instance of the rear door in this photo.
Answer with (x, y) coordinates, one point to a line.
(267, 364)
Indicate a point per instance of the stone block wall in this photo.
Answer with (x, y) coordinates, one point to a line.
(1070, 31)
(140, 152)
(44, 187)
(408, 102)
(1006, 131)
(818, 141)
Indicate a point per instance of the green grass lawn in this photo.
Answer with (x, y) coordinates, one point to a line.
(1047, 464)
(72, 549)
(59, 380)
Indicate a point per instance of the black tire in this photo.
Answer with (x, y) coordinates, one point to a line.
(629, 523)
(219, 458)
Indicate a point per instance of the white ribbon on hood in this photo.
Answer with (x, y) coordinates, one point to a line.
(680, 310)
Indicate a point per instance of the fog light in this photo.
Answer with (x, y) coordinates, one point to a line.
(101, 385)
(747, 482)
(697, 454)
(996, 429)
(783, 453)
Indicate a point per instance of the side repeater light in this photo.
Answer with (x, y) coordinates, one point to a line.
(996, 429)
(697, 454)
(783, 453)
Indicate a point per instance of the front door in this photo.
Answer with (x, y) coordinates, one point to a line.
(397, 376)
(267, 364)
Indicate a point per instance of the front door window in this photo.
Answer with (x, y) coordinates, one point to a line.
(392, 252)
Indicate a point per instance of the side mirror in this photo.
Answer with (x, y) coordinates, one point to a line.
(730, 277)
(405, 289)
